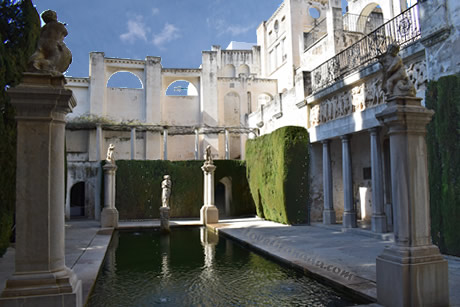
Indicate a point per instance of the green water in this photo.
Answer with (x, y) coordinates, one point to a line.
(147, 268)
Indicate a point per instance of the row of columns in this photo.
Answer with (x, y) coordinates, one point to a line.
(349, 213)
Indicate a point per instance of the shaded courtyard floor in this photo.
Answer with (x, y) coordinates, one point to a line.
(344, 259)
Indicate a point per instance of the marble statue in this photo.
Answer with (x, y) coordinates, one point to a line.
(395, 82)
(52, 55)
(207, 155)
(166, 190)
(110, 156)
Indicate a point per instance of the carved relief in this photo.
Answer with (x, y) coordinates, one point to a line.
(417, 75)
(374, 94)
(357, 94)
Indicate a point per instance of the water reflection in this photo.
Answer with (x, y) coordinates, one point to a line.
(194, 267)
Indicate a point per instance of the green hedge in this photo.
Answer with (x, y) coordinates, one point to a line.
(278, 174)
(443, 144)
(138, 187)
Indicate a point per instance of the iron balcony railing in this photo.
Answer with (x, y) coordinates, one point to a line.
(402, 30)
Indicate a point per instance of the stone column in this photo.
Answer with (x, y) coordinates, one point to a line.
(209, 213)
(41, 277)
(227, 149)
(328, 211)
(165, 144)
(133, 143)
(349, 214)
(379, 223)
(109, 215)
(197, 145)
(412, 272)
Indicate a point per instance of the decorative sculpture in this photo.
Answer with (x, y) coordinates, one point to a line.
(207, 155)
(52, 55)
(110, 156)
(395, 81)
(166, 190)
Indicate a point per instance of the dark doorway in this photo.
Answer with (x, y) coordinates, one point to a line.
(77, 200)
(220, 199)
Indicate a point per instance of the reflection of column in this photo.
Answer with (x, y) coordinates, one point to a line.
(165, 144)
(209, 241)
(349, 214)
(197, 144)
(328, 212)
(164, 249)
(227, 150)
(41, 277)
(111, 255)
(109, 215)
(133, 143)
(209, 213)
(412, 272)
(379, 223)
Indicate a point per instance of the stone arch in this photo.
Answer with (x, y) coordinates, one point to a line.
(232, 109)
(244, 69)
(77, 200)
(181, 88)
(263, 99)
(363, 22)
(124, 79)
(227, 183)
(229, 71)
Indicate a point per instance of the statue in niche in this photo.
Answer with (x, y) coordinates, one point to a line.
(395, 81)
(208, 156)
(166, 185)
(52, 55)
(110, 156)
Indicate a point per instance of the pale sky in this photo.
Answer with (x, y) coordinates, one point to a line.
(175, 30)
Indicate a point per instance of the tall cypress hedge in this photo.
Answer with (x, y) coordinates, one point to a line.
(138, 187)
(19, 30)
(278, 174)
(443, 144)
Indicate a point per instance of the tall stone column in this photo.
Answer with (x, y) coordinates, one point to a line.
(109, 215)
(412, 272)
(197, 144)
(328, 211)
(209, 214)
(41, 277)
(349, 214)
(165, 144)
(379, 220)
(133, 143)
(227, 147)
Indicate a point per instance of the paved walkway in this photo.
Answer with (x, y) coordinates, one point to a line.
(344, 259)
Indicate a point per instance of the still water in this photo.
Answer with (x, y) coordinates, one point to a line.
(194, 267)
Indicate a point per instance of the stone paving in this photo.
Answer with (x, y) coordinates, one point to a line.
(343, 259)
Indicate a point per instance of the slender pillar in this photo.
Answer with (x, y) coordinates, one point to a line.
(133, 143)
(227, 150)
(349, 214)
(197, 144)
(243, 139)
(41, 277)
(379, 223)
(412, 272)
(328, 211)
(99, 144)
(109, 215)
(165, 144)
(209, 213)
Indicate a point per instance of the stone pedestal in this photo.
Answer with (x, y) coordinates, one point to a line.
(41, 277)
(412, 272)
(109, 215)
(209, 214)
(164, 219)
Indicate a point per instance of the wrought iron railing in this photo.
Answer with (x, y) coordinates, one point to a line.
(311, 37)
(362, 24)
(402, 30)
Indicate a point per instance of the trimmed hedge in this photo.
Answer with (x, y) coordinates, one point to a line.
(278, 174)
(443, 145)
(138, 187)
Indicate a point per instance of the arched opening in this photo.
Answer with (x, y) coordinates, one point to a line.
(263, 99)
(243, 70)
(224, 196)
(124, 79)
(220, 199)
(371, 18)
(77, 200)
(181, 88)
(229, 71)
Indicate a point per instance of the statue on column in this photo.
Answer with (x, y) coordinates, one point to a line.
(395, 82)
(208, 156)
(110, 155)
(166, 185)
(52, 55)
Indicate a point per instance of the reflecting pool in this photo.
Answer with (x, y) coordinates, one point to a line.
(194, 267)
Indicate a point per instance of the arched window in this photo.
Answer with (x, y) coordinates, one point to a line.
(77, 200)
(243, 69)
(124, 79)
(264, 99)
(181, 88)
(228, 71)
